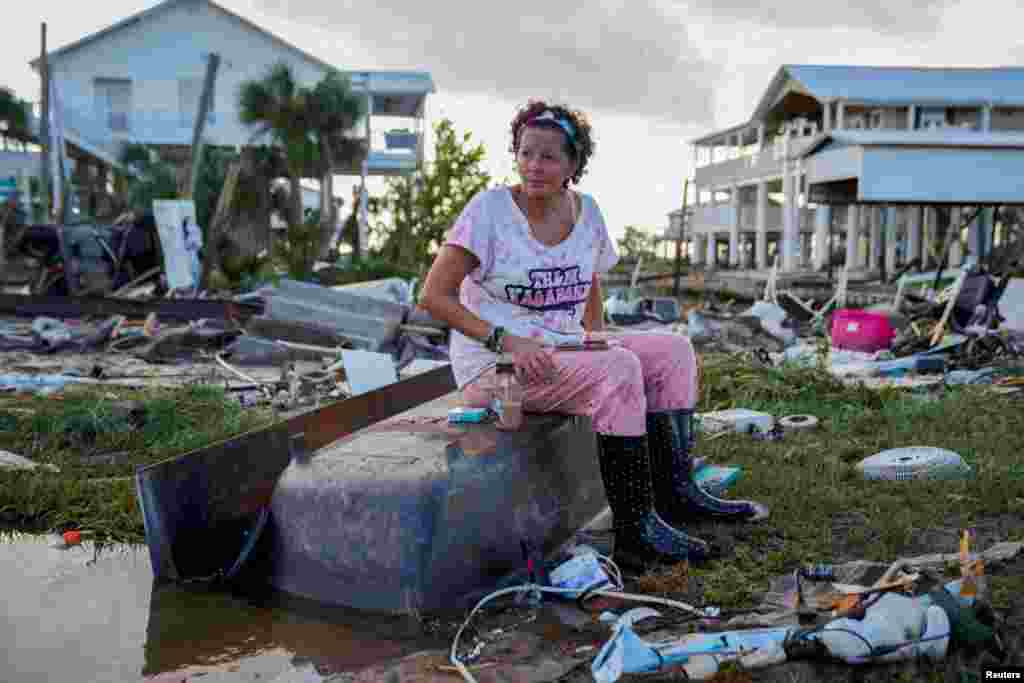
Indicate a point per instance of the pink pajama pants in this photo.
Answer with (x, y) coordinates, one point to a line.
(640, 373)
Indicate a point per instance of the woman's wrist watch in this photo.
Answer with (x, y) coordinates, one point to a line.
(495, 342)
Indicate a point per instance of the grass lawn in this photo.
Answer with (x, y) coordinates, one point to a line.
(822, 508)
(96, 436)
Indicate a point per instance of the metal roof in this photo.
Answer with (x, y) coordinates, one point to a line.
(380, 81)
(892, 85)
(949, 86)
(393, 82)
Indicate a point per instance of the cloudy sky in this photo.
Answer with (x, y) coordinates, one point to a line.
(652, 74)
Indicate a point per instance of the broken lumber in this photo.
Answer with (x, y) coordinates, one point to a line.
(184, 310)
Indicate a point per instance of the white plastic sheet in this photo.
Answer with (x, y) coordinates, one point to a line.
(172, 218)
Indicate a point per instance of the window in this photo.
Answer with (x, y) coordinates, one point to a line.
(114, 103)
(931, 117)
(190, 89)
(856, 121)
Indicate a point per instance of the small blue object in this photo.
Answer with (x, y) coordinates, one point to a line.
(469, 415)
(715, 478)
(42, 383)
(818, 572)
(625, 653)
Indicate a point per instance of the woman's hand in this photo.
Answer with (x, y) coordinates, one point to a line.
(534, 364)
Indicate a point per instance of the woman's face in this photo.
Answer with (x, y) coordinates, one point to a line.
(543, 164)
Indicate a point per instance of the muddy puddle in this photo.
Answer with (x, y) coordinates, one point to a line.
(75, 615)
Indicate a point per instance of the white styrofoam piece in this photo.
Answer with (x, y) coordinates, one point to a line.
(419, 365)
(737, 419)
(368, 370)
(1011, 305)
(170, 214)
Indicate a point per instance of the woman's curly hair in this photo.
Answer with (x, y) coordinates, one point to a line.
(579, 153)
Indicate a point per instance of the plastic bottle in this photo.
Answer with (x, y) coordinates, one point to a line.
(972, 571)
(508, 395)
(896, 627)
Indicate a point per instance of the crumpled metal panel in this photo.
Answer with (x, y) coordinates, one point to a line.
(368, 322)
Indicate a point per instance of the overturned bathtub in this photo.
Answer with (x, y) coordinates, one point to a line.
(405, 512)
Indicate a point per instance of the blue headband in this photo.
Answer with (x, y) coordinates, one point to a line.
(562, 122)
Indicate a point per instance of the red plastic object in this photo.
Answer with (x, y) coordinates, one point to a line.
(858, 330)
(72, 537)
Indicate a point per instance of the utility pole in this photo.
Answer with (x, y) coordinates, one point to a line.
(44, 127)
(357, 241)
(683, 221)
(205, 100)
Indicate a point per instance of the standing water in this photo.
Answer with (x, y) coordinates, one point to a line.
(77, 615)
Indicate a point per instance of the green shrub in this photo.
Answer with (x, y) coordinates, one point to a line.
(297, 253)
(363, 270)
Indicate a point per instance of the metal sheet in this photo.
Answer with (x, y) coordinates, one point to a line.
(368, 322)
(196, 507)
(329, 424)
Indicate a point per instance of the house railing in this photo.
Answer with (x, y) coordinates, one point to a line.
(712, 217)
(758, 165)
(773, 217)
(719, 217)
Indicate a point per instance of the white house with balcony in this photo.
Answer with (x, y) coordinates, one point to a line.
(140, 81)
(861, 165)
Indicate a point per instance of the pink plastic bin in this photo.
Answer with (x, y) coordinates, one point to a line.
(859, 330)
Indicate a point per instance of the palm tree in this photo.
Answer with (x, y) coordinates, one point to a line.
(14, 116)
(278, 105)
(333, 111)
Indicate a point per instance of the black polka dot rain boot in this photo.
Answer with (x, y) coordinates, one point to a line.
(642, 538)
(677, 497)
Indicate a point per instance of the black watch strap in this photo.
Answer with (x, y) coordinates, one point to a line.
(494, 341)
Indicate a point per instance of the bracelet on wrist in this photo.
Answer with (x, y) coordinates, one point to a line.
(496, 341)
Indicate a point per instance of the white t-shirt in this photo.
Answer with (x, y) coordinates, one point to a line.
(521, 284)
